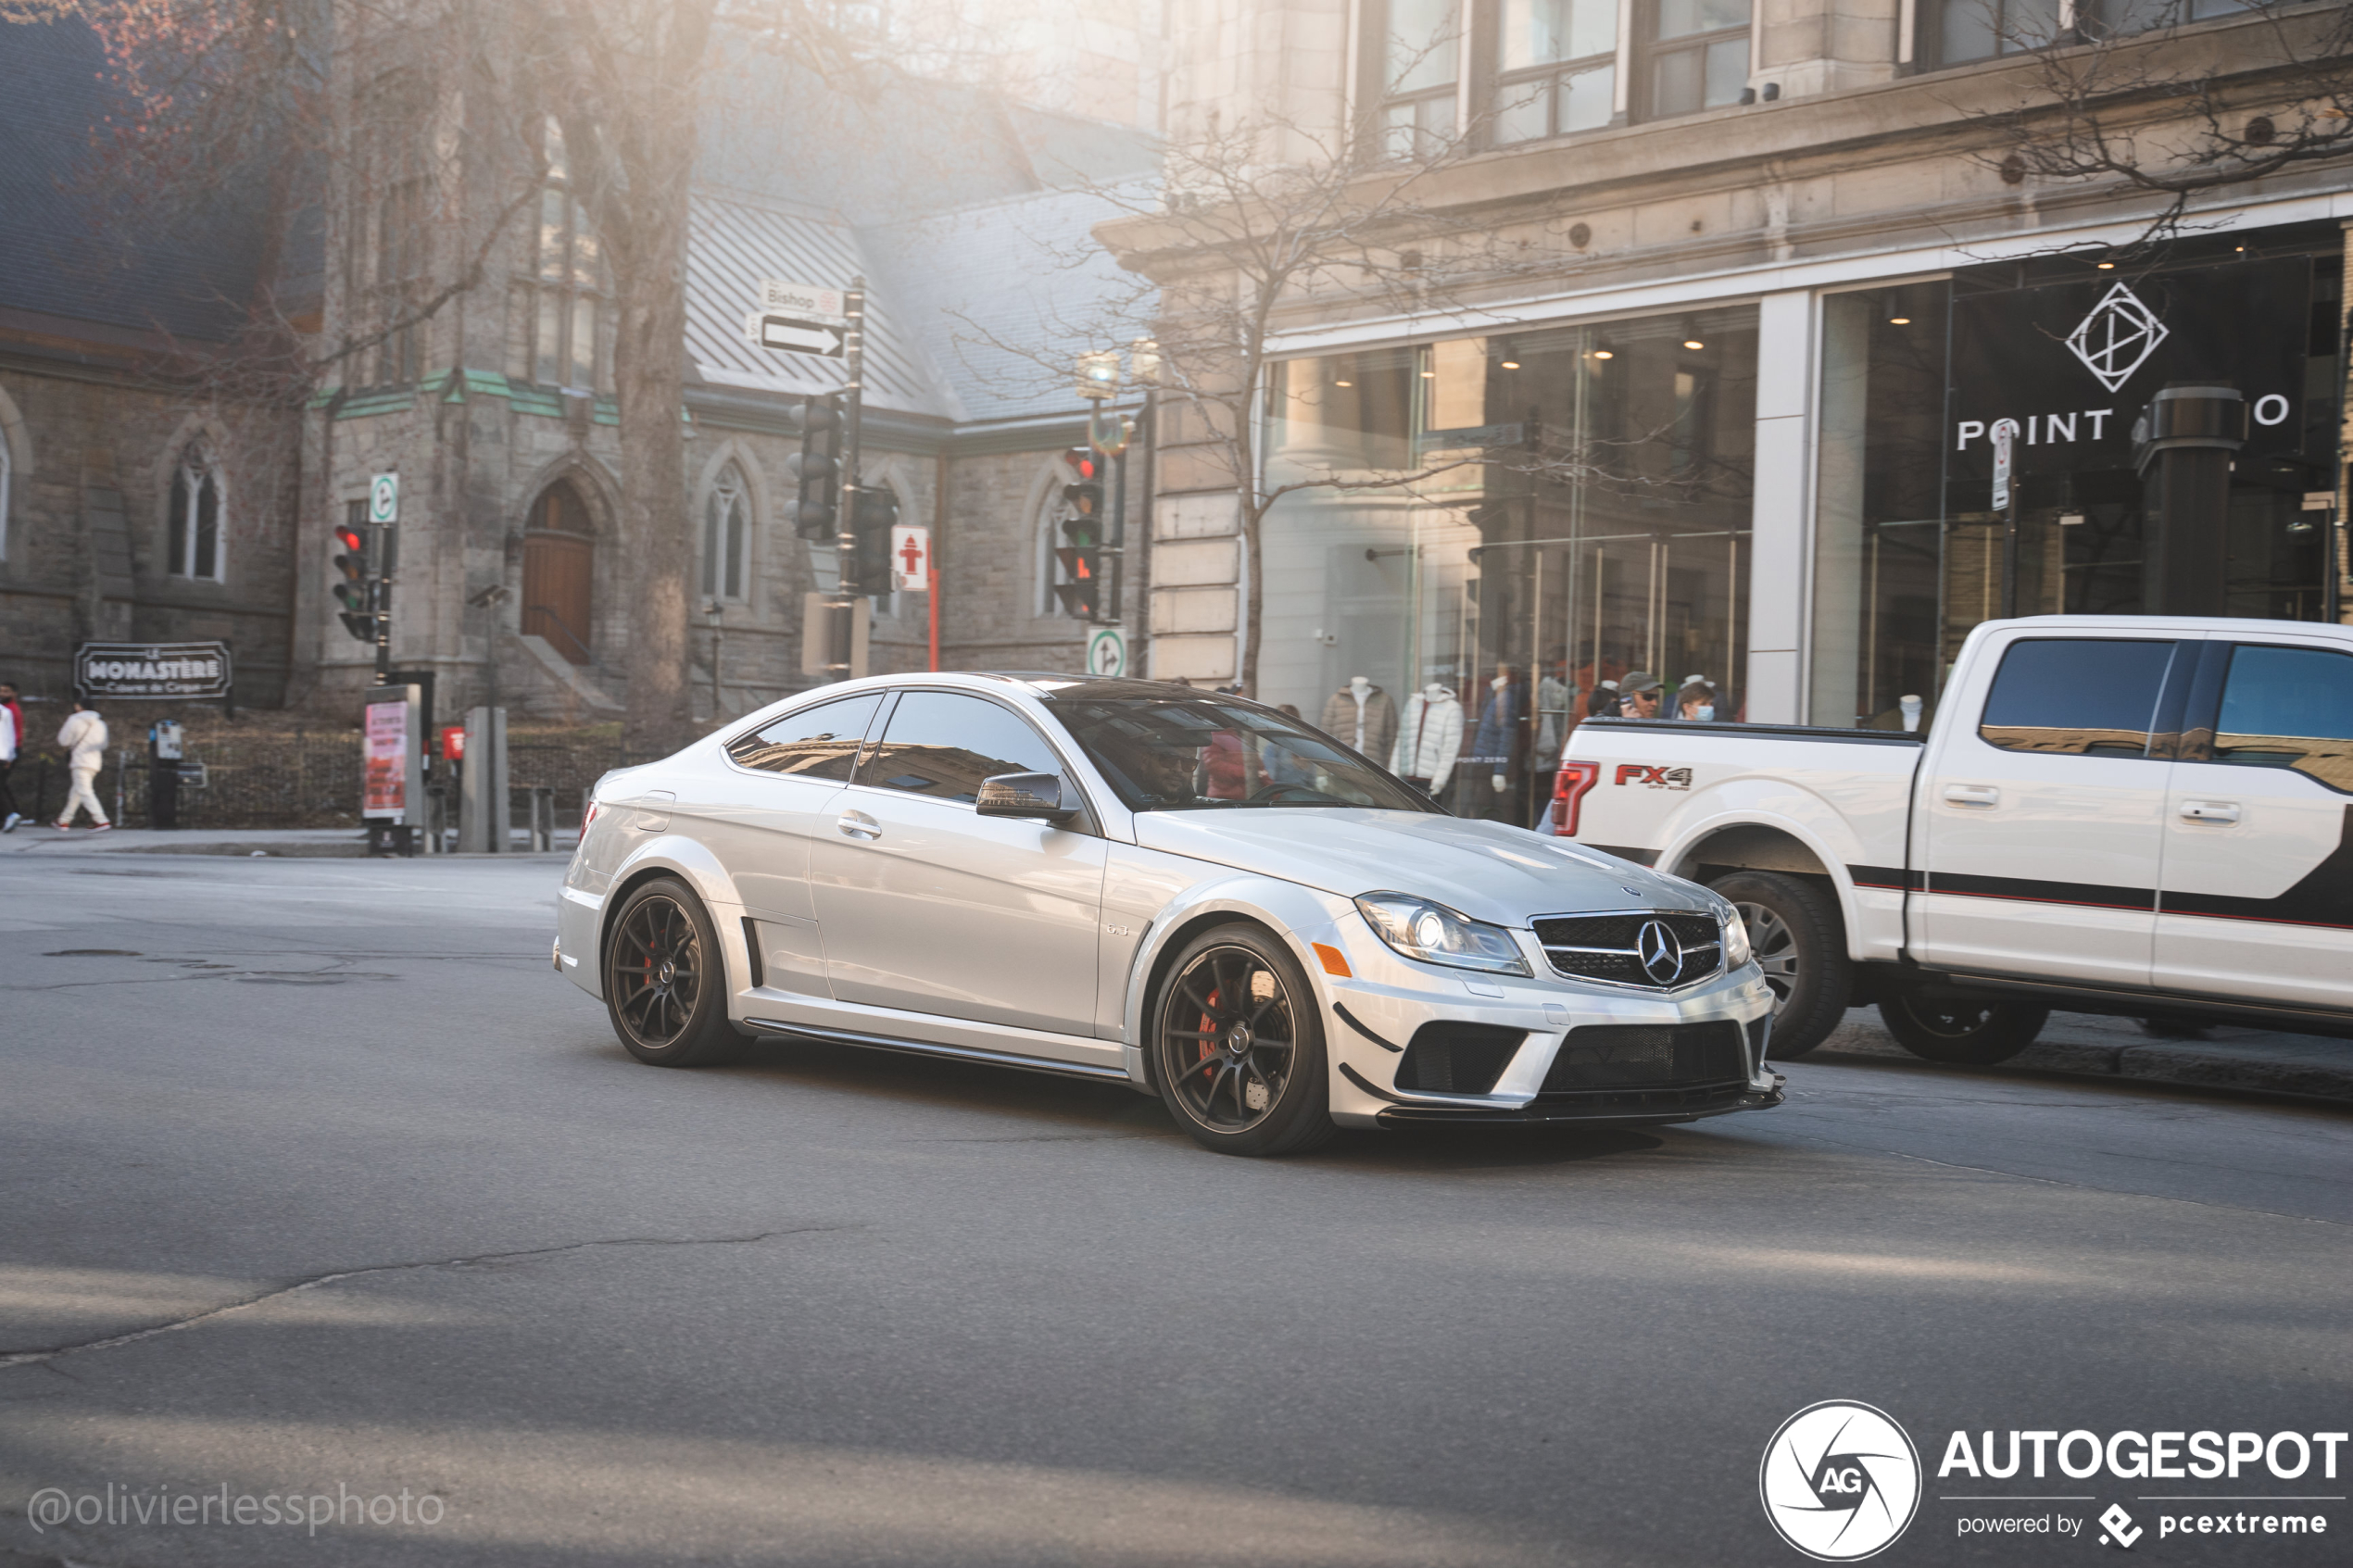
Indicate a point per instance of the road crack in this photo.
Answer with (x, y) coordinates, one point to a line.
(33, 1357)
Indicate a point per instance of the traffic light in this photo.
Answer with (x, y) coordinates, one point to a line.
(875, 514)
(1081, 553)
(1084, 498)
(817, 514)
(356, 592)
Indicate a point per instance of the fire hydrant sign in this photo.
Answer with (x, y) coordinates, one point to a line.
(134, 669)
(909, 558)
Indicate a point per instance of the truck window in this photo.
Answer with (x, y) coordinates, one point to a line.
(2289, 708)
(2081, 697)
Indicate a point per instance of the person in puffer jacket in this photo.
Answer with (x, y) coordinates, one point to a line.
(85, 740)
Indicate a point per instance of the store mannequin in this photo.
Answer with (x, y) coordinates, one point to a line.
(1498, 739)
(1430, 738)
(1553, 698)
(1363, 715)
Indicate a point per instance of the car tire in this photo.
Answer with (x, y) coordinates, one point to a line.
(1799, 941)
(1279, 1098)
(1961, 1032)
(666, 980)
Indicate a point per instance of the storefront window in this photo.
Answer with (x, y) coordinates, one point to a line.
(1877, 524)
(1910, 551)
(1550, 510)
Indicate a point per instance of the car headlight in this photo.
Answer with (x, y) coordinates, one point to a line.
(1434, 934)
(1736, 952)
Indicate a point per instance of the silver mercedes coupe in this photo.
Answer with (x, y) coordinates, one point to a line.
(1188, 893)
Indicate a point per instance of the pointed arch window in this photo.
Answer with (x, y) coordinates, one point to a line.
(194, 524)
(726, 537)
(557, 300)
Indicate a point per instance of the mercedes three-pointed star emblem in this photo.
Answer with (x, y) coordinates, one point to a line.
(1660, 955)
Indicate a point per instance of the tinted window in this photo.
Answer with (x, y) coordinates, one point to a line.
(2082, 698)
(942, 745)
(816, 743)
(1184, 752)
(2289, 708)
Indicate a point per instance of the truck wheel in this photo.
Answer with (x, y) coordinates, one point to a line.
(1800, 942)
(1962, 1032)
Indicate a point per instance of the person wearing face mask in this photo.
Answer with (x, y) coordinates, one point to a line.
(1697, 700)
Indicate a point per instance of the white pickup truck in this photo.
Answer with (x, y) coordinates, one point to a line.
(2121, 814)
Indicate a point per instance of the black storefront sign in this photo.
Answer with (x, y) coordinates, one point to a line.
(152, 670)
(2074, 363)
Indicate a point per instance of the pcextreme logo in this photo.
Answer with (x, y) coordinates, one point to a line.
(1840, 1481)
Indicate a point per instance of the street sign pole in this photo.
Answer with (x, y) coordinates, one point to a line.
(2006, 502)
(853, 306)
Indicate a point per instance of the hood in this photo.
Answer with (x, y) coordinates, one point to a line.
(1488, 871)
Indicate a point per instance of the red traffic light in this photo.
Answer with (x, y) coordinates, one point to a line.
(1083, 462)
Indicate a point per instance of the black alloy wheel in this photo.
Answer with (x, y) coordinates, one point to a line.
(665, 979)
(1960, 1032)
(1239, 1046)
(1799, 940)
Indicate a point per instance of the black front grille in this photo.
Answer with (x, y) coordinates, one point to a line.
(1609, 947)
(1633, 1056)
(1457, 1058)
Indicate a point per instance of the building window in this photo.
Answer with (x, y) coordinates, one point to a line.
(726, 537)
(388, 252)
(192, 541)
(555, 333)
(1955, 33)
(1694, 55)
(1556, 68)
(1419, 62)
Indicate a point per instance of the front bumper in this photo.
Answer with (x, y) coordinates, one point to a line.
(1374, 1013)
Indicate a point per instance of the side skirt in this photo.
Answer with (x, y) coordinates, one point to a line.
(924, 1048)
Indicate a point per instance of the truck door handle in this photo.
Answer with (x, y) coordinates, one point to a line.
(2210, 811)
(857, 824)
(1972, 795)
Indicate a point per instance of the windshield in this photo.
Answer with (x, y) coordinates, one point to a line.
(1185, 751)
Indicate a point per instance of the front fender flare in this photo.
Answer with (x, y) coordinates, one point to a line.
(1284, 908)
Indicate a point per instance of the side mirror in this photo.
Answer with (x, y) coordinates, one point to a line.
(1027, 795)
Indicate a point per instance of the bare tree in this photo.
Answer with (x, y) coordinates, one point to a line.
(440, 150)
(1248, 223)
(2175, 114)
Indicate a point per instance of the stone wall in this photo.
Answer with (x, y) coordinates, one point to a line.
(90, 459)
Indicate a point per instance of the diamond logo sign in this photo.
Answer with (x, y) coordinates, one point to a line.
(2117, 337)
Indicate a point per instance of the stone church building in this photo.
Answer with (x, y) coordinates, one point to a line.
(139, 502)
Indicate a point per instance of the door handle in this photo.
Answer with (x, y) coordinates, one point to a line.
(2210, 811)
(1972, 795)
(857, 824)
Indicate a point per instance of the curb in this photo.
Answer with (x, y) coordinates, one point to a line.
(2245, 1061)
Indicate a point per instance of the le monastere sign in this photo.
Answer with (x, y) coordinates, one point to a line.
(152, 670)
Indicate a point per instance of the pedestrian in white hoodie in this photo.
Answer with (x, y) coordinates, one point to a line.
(84, 738)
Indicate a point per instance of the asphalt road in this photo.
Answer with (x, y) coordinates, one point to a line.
(319, 1184)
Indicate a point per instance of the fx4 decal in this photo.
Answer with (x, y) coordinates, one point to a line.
(1654, 777)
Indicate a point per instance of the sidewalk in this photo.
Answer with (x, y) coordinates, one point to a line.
(253, 843)
(2085, 1044)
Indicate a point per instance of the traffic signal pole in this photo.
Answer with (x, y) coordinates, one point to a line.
(387, 561)
(843, 608)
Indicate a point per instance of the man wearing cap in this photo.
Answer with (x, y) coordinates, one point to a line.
(1638, 696)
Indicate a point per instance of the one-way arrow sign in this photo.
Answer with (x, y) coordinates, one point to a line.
(793, 335)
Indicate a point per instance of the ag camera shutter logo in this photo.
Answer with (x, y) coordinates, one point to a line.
(1840, 1481)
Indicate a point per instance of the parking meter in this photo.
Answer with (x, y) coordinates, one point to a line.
(163, 773)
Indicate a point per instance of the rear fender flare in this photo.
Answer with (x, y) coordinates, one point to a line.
(694, 864)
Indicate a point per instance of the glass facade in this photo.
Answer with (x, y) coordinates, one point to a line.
(1910, 549)
(1487, 529)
